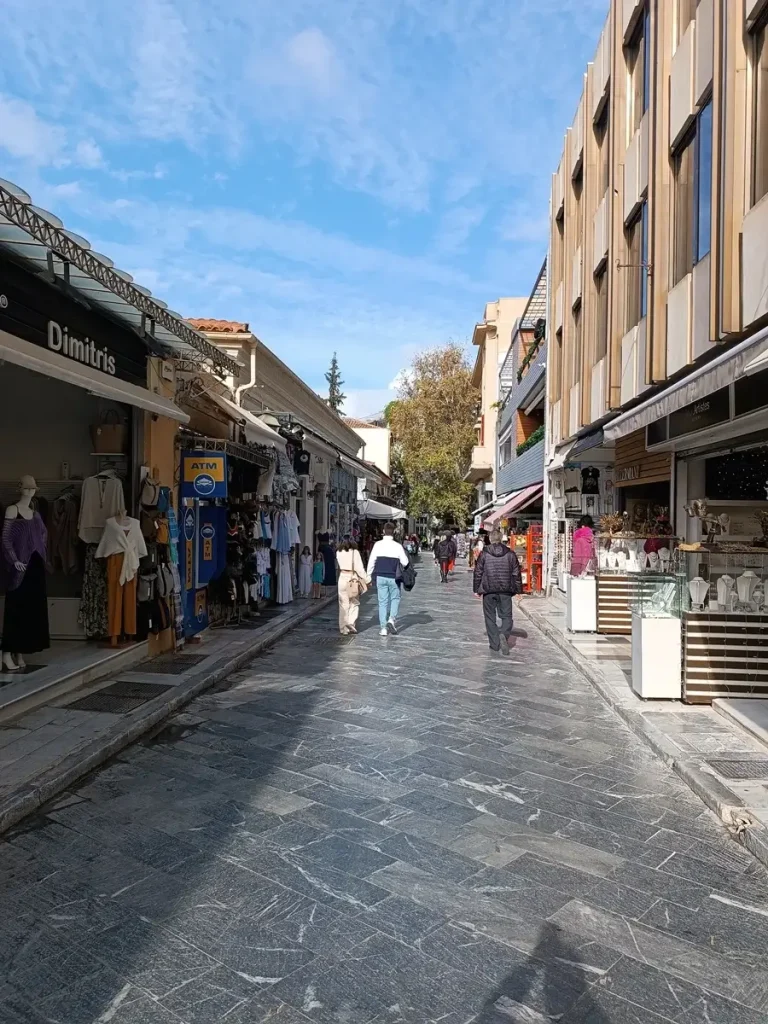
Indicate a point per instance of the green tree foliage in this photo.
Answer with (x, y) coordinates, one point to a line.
(336, 397)
(432, 423)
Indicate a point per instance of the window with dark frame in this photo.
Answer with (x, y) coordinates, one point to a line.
(760, 131)
(682, 237)
(601, 311)
(602, 137)
(577, 346)
(692, 192)
(637, 269)
(638, 65)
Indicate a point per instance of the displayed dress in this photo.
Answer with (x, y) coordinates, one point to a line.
(25, 619)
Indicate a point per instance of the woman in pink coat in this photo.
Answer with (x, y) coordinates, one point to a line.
(583, 556)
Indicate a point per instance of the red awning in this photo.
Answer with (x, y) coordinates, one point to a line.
(518, 501)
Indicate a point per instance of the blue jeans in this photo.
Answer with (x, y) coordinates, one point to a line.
(389, 599)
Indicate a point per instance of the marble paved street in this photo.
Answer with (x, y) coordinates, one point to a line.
(373, 830)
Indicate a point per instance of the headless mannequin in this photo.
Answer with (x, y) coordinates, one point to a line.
(13, 661)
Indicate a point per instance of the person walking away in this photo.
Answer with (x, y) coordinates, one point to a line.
(445, 552)
(435, 545)
(318, 575)
(353, 582)
(454, 552)
(329, 558)
(497, 578)
(305, 573)
(384, 565)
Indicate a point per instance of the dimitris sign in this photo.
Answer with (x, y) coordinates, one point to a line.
(82, 350)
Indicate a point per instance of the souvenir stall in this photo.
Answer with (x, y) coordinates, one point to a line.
(342, 511)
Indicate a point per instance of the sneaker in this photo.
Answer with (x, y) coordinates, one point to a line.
(392, 626)
(351, 629)
(383, 631)
(504, 646)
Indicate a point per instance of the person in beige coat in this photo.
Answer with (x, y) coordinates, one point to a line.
(353, 581)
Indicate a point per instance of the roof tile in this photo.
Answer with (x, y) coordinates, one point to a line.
(219, 326)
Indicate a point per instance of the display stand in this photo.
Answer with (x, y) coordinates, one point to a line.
(581, 604)
(656, 657)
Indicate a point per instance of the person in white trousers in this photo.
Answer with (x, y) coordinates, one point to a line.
(351, 569)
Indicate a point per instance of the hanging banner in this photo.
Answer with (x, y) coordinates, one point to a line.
(203, 475)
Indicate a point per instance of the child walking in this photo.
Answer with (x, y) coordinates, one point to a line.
(305, 572)
(318, 575)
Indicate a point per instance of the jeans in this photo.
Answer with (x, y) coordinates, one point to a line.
(501, 604)
(388, 594)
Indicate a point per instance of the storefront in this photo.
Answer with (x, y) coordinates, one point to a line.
(74, 423)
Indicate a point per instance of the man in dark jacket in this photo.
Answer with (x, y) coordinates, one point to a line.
(497, 579)
(445, 553)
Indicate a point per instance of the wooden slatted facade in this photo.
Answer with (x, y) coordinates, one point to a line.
(652, 467)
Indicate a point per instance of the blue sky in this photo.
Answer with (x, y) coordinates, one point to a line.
(361, 175)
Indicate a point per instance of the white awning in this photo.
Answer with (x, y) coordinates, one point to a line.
(370, 509)
(718, 373)
(560, 457)
(256, 430)
(52, 364)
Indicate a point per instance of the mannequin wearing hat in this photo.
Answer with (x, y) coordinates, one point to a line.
(23, 552)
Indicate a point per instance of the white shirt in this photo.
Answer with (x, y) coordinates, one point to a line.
(101, 498)
(350, 561)
(123, 538)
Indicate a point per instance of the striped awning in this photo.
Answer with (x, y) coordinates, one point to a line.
(519, 501)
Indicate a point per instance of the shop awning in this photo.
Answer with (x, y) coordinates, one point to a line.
(519, 501)
(256, 430)
(370, 509)
(51, 364)
(483, 508)
(716, 374)
(584, 444)
(560, 456)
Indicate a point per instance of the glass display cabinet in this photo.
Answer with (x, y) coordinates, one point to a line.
(621, 560)
(656, 604)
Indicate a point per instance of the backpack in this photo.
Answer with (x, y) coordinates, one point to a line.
(408, 577)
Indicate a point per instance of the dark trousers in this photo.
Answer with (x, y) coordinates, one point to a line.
(501, 605)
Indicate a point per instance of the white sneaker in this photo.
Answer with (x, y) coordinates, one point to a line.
(383, 631)
(392, 626)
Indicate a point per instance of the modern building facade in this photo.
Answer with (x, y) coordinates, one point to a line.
(492, 338)
(520, 423)
(657, 387)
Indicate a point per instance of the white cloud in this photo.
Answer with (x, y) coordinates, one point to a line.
(456, 225)
(26, 136)
(88, 155)
(311, 54)
(366, 402)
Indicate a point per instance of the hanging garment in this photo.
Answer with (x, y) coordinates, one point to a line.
(21, 538)
(281, 541)
(102, 498)
(121, 597)
(590, 477)
(62, 535)
(25, 619)
(305, 575)
(93, 604)
(293, 528)
(267, 481)
(123, 538)
(266, 526)
(266, 587)
(284, 579)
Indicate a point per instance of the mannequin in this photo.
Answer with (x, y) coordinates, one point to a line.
(22, 557)
(122, 544)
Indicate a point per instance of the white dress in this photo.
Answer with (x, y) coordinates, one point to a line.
(305, 575)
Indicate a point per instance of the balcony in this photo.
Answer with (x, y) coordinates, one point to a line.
(521, 392)
(481, 464)
(522, 470)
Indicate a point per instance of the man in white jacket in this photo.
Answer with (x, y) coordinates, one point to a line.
(384, 564)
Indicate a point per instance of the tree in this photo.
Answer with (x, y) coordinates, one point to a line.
(336, 397)
(432, 423)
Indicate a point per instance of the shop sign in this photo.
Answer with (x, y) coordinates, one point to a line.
(207, 535)
(203, 475)
(707, 412)
(34, 311)
(627, 473)
(189, 548)
(750, 393)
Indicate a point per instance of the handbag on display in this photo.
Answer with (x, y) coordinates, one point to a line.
(150, 493)
(108, 436)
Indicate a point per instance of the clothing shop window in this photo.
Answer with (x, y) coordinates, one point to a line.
(637, 270)
(638, 67)
(760, 131)
(693, 197)
(686, 12)
(601, 310)
(602, 138)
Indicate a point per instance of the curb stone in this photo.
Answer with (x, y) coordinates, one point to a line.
(726, 804)
(31, 795)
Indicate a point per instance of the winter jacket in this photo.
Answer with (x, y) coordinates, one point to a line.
(497, 571)
(446, 551)
(386, 558)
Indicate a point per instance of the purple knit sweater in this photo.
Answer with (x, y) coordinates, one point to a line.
(20, 540)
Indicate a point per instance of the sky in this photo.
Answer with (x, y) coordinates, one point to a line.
(359, 176)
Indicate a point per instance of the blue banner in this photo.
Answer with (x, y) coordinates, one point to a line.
(203, 475)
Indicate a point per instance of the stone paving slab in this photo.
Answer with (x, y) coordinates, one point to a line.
(46, 750)
(686, 737)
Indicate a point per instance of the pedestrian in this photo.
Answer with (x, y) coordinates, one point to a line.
(305, 572)
(583, 557)
(353, 583)
(454, 551)
(329, 560)
(384, 565)
(445, 553)
(318, 576)
(497, 578)
(435, 546)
